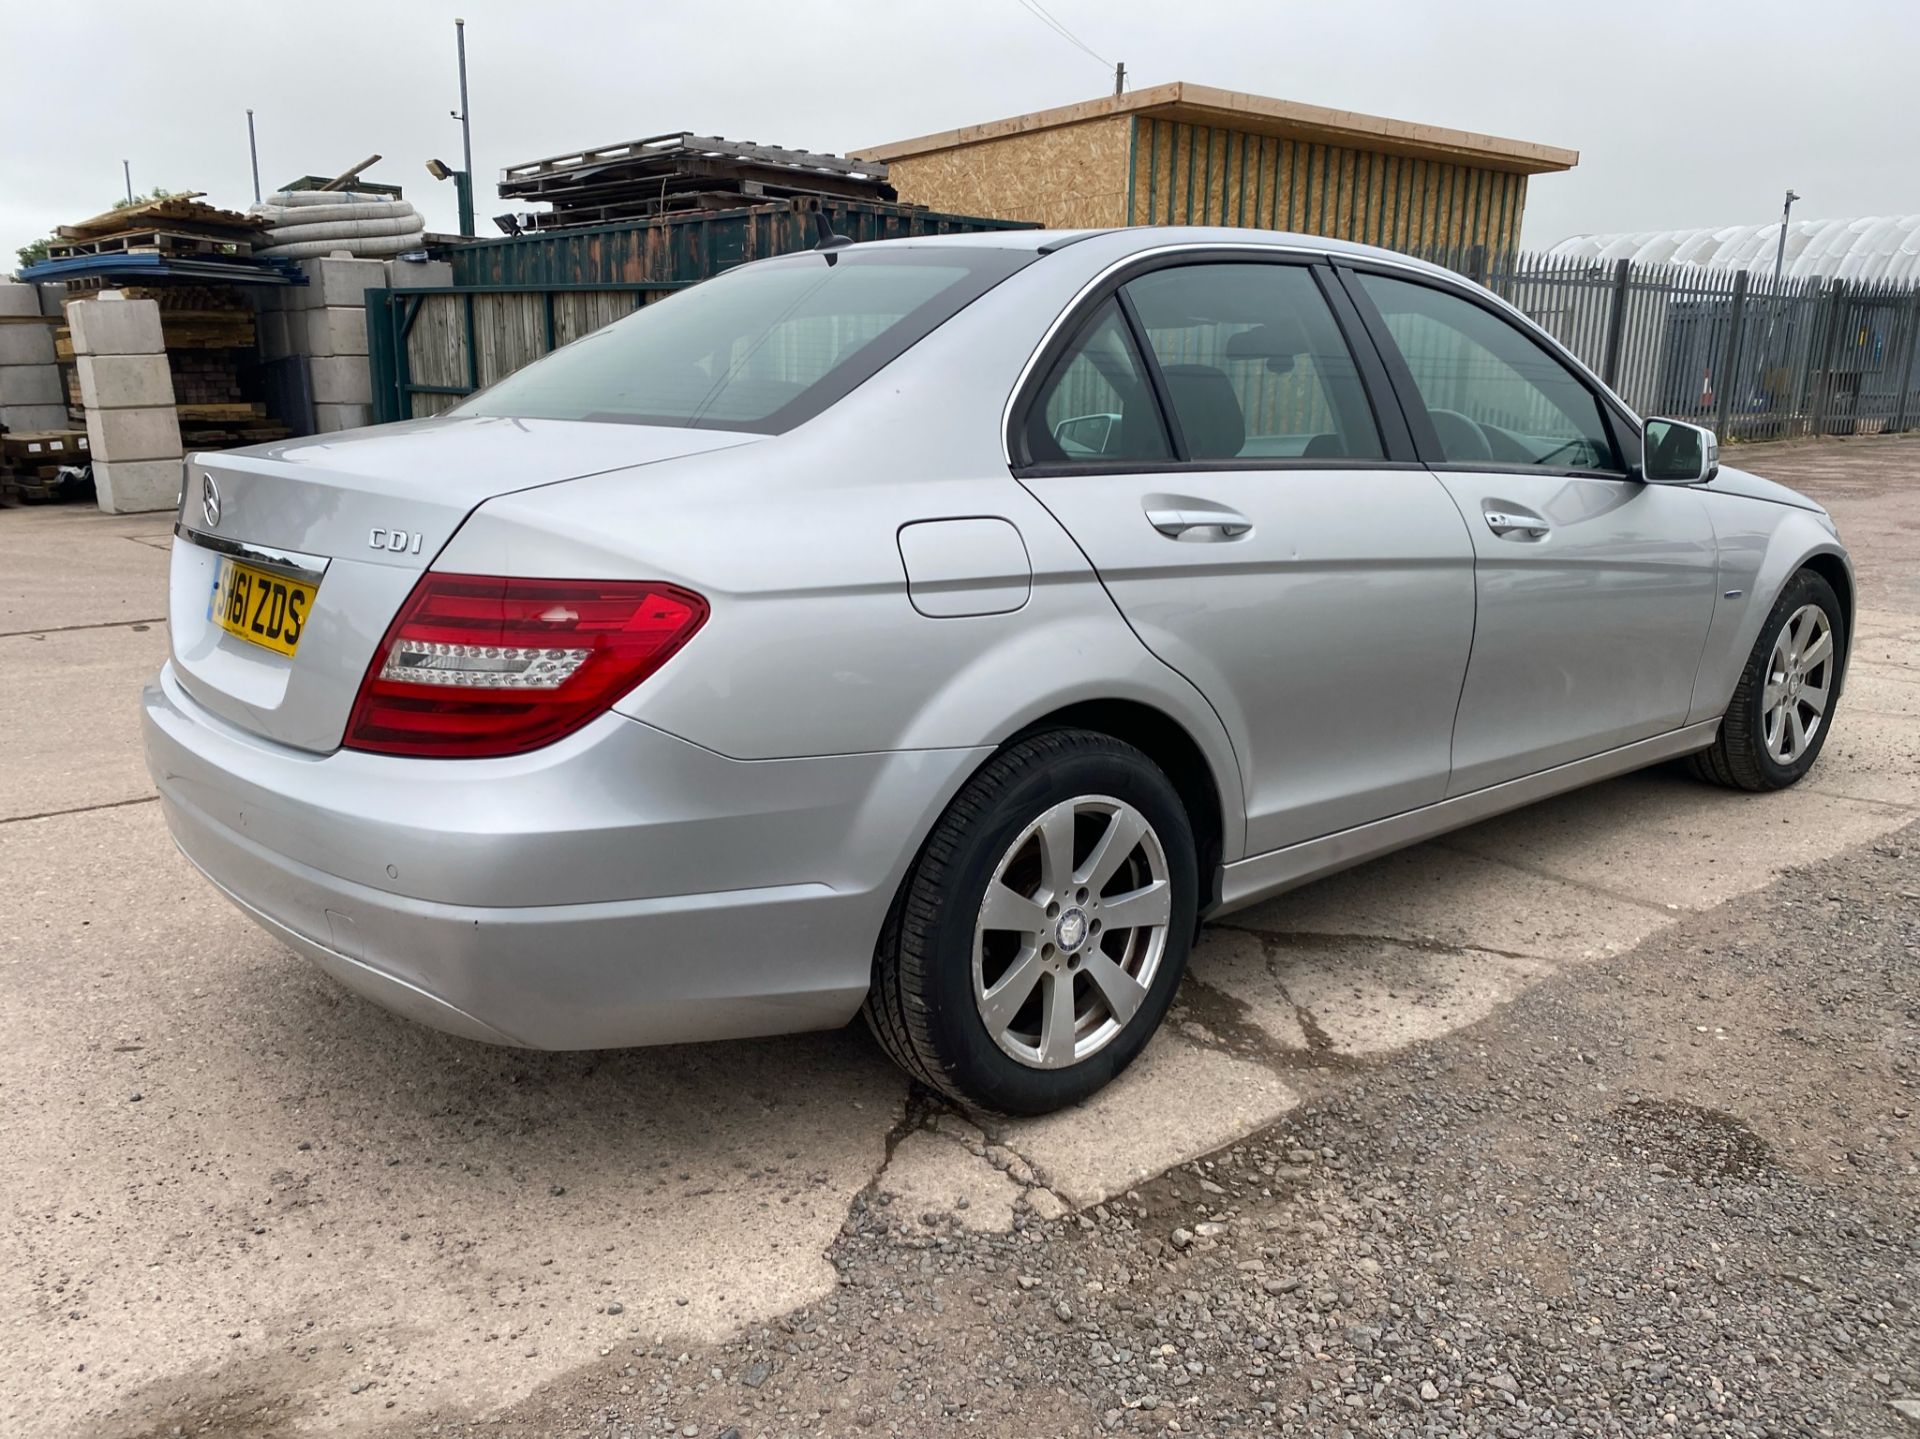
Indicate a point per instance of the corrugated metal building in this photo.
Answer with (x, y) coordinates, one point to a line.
(1183, 154)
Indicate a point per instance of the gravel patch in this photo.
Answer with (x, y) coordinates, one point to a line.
(1668, 1193)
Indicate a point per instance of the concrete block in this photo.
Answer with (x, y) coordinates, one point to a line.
(419, 274)
(31, 385)
(53, 298)
(28, 344)
(24, 418)
(152, 434)
(18, 299)
(342, 282)
(124, 382)
(334, 330)
(341, 380)
(275, 331)
(112, 325)
(130, 486)
(328, 418)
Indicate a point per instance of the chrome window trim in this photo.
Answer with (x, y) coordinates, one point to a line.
(290, 563)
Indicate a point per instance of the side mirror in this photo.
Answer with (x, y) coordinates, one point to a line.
(1673, 452)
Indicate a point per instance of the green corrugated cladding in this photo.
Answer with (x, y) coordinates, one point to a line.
(690, 246)
(1211, 175)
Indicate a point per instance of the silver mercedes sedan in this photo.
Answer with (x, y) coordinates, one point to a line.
(942, 629)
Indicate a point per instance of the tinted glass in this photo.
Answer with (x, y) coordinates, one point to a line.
(1254, 363)
(760, 348)
(1496, 395)
(1097, 404)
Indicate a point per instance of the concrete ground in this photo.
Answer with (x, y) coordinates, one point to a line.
(230, 1187)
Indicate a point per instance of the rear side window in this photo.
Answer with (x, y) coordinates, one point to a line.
(762, 348)
(1496, 396)
(1255, 365)
(1098, 403)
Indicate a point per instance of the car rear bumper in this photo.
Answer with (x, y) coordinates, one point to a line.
(621, 887)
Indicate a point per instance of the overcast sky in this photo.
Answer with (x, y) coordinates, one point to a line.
(1684, 111)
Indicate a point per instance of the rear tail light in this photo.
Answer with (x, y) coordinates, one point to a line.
(475, 665)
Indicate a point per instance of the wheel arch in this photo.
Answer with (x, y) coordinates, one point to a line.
(1166, 742)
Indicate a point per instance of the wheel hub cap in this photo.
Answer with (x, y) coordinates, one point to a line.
(1071, 932)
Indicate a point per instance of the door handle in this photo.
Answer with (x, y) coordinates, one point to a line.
(1179, 524)
(1505, 522)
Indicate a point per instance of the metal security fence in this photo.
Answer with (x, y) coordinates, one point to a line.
(1752, 359)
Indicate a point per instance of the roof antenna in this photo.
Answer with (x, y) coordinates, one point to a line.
(829, 240)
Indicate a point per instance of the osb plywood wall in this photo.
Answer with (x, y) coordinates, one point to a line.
(1209, 175)
(1067, 176)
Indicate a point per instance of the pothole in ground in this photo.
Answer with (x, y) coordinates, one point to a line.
(1703, 1145)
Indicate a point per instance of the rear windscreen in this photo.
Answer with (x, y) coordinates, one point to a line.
(761, 348)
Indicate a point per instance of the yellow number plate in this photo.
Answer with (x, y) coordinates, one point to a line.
(261, 607)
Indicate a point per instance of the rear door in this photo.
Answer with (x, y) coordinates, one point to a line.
(1595, 589)
(1205, 434)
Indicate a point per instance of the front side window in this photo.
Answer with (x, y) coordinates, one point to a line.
(1495, 394)
(761, 348)
(1097, 403)
(1255, 365)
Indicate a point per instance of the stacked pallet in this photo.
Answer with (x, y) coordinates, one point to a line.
(208, 332)
(179, 226)
(43, 464)
(666, 174)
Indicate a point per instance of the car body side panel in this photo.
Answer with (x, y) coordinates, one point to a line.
(1588, 636)
(814, 645)
(1762, 545)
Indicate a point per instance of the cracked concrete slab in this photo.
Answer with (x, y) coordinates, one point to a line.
(930, 1173)
(208, 1141)
(1663, 837)
(1176, 1102)
(1435, 894)
(73, 567)
(66, 748)
(1371, 997)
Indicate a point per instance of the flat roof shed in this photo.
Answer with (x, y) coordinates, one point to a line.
(1185, 154)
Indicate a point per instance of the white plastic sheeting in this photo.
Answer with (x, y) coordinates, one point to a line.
(1881, 247)
(302, 224)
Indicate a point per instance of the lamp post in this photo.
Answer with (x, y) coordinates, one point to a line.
(464, 181)
(253, 151)
(1780, 250)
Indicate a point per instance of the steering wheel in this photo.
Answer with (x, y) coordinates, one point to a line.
(1461, 440)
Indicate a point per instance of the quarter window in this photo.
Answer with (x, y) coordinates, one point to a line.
(1255, 366)
(1098, 404)
(1496, 396)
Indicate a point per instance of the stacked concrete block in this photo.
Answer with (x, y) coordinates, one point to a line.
(31, 395)
(133, 431)
(419, 274)
(321, 327)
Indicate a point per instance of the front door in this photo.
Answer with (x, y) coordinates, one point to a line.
(1207, 440)
(1595, 589)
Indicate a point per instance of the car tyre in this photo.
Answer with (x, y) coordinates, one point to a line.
(1098, 990)
(1772, 733)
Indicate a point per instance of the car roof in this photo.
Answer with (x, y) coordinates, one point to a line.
(1117, 243)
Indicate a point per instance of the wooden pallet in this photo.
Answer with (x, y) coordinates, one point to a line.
(176, 212)
(244, 412)
(159, 242)
(32, 461)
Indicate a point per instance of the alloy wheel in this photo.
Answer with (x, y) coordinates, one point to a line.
(1071, 931)
(1799, 684)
